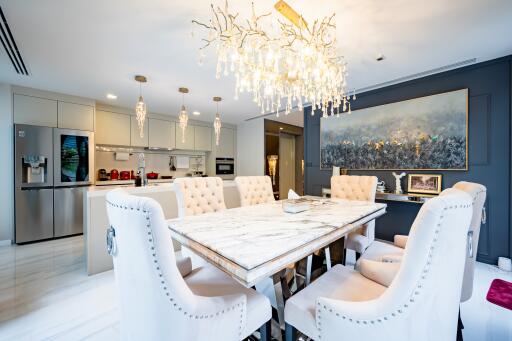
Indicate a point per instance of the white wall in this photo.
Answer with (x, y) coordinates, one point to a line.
(251, 148)
(7, 168)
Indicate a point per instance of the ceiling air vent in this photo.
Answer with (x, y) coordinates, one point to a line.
(10, 46)
(418, 75)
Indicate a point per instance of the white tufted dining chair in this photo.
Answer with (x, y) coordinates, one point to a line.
(354, 187)
(422, 301)
(156, 302)
(386, 252)
(254, 190)
(199, 195)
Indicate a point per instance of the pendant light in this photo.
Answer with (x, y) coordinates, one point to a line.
(140, 107)
(216, 122)
(183, 117)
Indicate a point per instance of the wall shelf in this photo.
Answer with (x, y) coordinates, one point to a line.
(415, 198)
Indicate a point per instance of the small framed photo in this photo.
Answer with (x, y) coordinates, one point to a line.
(424, 183)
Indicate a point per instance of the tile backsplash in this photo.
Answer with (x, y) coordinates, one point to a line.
(155, 162)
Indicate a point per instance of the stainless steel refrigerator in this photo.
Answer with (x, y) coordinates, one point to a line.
(53, 167)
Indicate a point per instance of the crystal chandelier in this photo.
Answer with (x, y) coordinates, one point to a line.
(140, 107)
(216, 123)
(183, 117)
(288, 66)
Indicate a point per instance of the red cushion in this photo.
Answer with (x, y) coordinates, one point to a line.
(500, 293)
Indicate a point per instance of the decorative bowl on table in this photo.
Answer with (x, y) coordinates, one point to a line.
(295, 205)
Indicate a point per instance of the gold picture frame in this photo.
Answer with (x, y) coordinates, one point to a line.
(424, 183)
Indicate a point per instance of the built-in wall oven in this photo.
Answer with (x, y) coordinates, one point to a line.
(224, 166)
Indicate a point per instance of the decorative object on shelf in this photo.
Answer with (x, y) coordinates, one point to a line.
(272, 167)
(140, 107)
(280, 61)
(335, 171)
(398, 185)
(381, 187)
(426, 133)
(216, 123)
(183, 117)
(424, 183)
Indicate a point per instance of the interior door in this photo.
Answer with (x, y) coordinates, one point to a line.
(286, 164)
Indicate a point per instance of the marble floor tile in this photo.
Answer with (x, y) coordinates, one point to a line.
(45, 294)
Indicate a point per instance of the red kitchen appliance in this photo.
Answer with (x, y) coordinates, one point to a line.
(152, 176)
(125, 175)
(114, 174)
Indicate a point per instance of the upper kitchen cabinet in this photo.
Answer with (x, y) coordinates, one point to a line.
(189, 138)
(162, 134)
(112, 128)
(136, 140)
(202, 138)
(35, 111)
(226, 147)
(75, 116)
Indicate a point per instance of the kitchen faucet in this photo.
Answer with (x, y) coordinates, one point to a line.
(141, 169)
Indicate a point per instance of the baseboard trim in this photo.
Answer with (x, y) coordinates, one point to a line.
(6, 242)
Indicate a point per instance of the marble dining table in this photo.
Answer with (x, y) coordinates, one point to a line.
(251, 243)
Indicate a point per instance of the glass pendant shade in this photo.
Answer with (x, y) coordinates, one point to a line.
(216, 123)
(140, 106)
(140, 111)
(183, 116)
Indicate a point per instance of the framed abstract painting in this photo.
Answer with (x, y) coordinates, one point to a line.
(425, 133)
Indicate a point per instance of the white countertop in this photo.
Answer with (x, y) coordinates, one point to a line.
(153, 187)
(130, 182)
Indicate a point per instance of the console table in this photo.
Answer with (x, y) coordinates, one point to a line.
(416, 198)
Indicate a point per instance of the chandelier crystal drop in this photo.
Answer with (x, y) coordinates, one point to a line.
(140, 106)
(284, 64)
(216, 123)
(183, 116)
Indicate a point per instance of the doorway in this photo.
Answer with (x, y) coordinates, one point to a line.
(286, 164)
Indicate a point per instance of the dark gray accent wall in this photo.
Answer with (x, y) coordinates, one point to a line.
(489, 149)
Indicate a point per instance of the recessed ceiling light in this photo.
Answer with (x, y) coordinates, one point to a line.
(111, 96)
(196, 113)
(280, 128)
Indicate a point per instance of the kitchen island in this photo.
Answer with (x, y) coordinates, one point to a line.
(96, 220)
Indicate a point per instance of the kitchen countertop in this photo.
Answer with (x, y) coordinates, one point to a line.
(130, 182)
(153, 187)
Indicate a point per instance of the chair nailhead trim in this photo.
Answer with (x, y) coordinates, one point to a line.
(419, 285)
(165, 287)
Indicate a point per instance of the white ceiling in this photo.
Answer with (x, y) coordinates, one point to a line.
(295, 118)
(89, 48)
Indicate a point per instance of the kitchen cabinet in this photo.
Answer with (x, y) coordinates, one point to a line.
(189, 138)
(34, 111)
(75, 116)
(112, 128)
(136, 140)
(226, 147)
(162, 134)
(202, 138)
